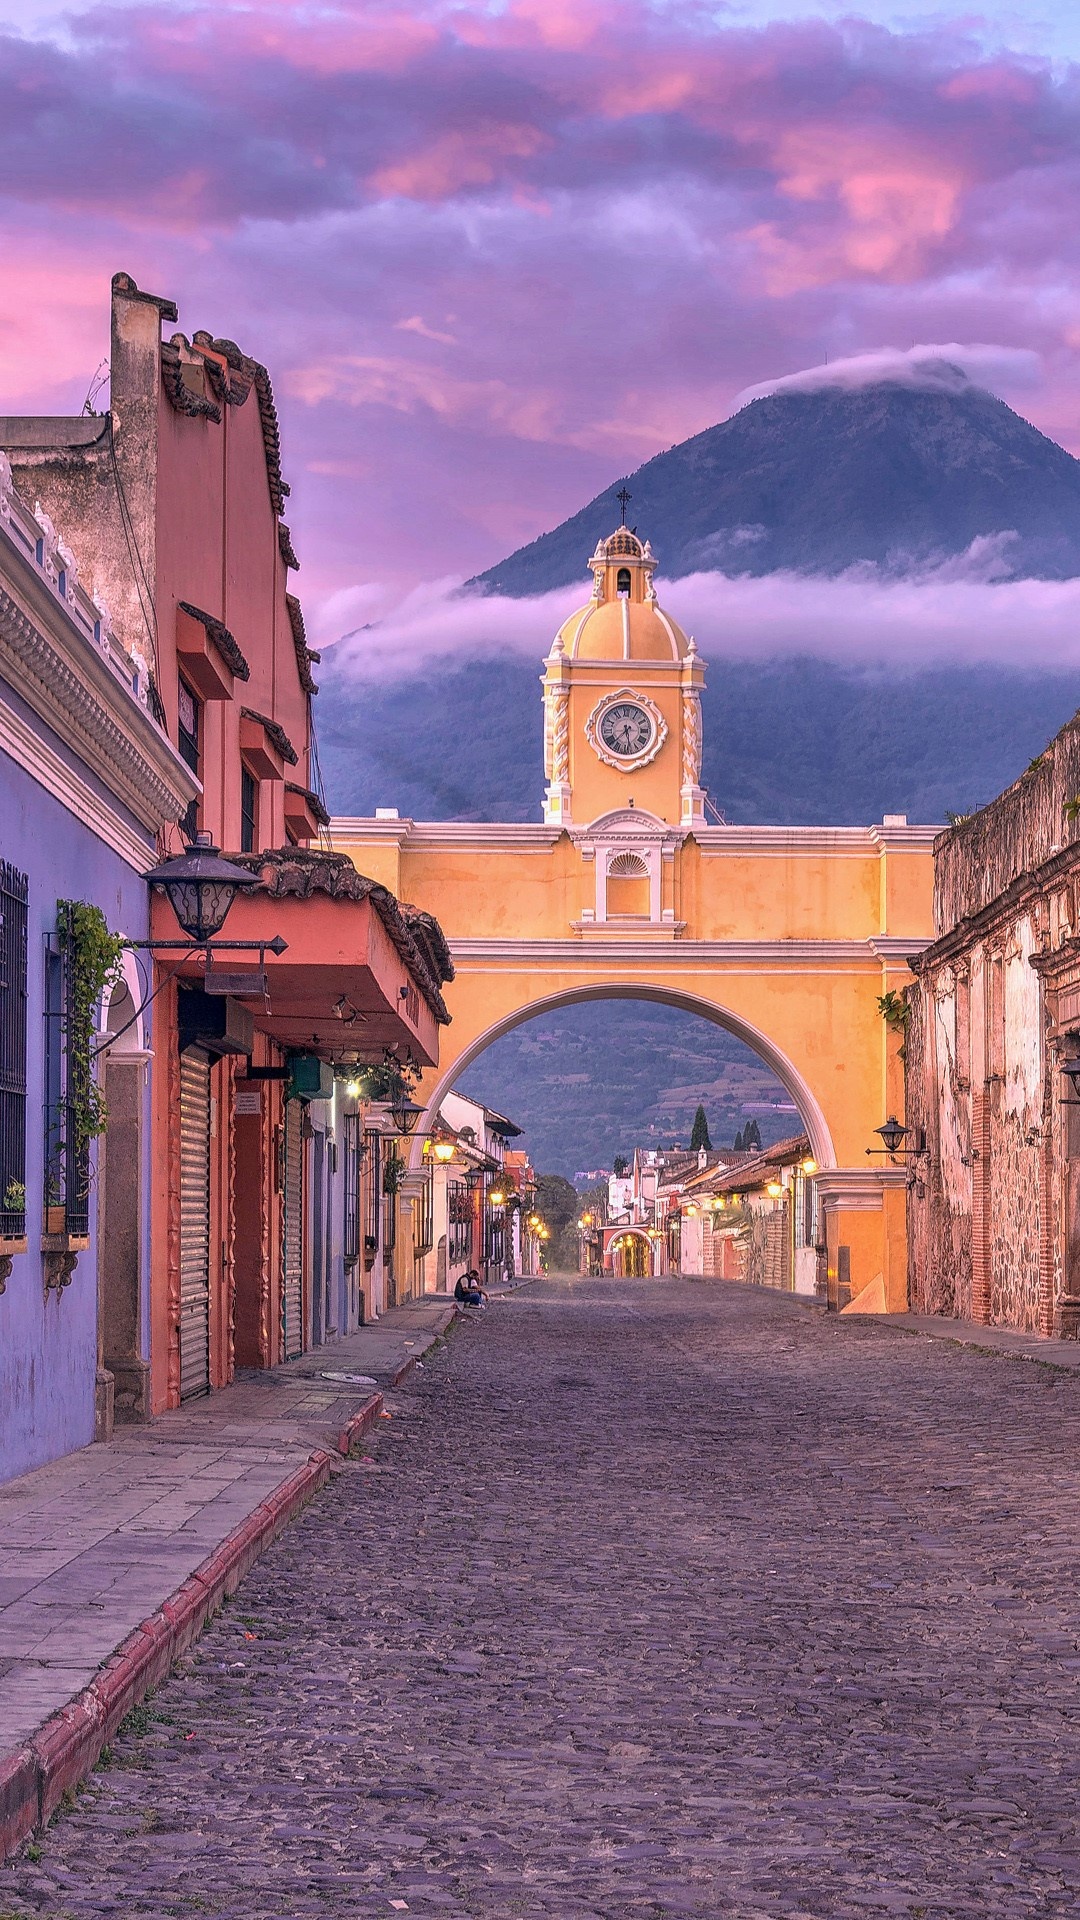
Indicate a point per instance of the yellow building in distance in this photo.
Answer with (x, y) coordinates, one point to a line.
(786, 936)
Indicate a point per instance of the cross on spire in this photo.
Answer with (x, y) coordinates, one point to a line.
(622, 497)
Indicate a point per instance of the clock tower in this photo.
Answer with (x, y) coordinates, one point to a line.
(622, 707)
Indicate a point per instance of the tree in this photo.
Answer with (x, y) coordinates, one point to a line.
(752, 1136)
(620, 1166)
(557, 1205)
(699, 1133)
(738, 1145)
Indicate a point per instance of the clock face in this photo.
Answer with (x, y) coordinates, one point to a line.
(626, 729)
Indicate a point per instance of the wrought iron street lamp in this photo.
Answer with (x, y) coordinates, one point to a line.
(405, 1112)
(893, 1135)
(200, 887)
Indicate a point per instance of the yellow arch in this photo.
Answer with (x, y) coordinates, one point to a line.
(810, 1111)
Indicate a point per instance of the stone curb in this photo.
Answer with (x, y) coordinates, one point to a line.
(34, 1780)
(406, 1367)
(362, 1420)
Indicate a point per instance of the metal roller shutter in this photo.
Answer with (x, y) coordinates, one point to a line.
(194, 1224)
(293, 1262)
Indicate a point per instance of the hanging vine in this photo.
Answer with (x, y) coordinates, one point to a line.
(92, 960)
(896, 1014)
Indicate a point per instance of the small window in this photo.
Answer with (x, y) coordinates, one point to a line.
(68, 1074)
(188, 732)
(622, 583)
(13, 918)
(350, 1232)
(249, 802)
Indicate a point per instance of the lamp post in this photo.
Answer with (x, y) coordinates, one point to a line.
(405, 1112)
(200, 887)
(893, 1135)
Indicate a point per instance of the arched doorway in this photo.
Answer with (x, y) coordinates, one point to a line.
(632, 1256)
(123, 1371)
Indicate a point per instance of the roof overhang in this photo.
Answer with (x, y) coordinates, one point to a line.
(340, 990)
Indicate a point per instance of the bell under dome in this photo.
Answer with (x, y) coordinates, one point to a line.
(623, 620)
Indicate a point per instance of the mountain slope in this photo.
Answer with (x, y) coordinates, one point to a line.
(819, 481)
(789, 742)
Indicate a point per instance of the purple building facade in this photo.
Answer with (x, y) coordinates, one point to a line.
(88, 780)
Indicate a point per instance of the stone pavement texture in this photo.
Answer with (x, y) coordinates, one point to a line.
(91, 1544)
(654, 1599)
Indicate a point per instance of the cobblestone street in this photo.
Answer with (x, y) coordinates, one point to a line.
(655, 1599)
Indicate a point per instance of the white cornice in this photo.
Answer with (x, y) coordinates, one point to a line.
(26, 746)
(52, 667)
(751, 956)
(862, 842)
(857, 1189)
(780, 842)
(526, 836)
(891, 948)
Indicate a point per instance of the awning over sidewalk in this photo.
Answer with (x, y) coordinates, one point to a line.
(362, 973)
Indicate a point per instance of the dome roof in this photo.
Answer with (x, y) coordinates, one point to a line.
(622, 621)
(620, 542)
(622, 630)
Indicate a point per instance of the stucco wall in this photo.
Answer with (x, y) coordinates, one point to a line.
(48, 1346)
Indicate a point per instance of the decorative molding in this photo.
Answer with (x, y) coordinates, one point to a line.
(65, 676)
(691, 738)
(894, 950)
(34, 754)
(557, 733)
(857, 1189)
(859, 843)
(60, 1264)
(858, 955)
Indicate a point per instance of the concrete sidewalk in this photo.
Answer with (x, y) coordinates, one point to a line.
(971, 1333)
(112, 1558)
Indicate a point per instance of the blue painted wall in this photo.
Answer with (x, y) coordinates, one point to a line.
(48, 1347)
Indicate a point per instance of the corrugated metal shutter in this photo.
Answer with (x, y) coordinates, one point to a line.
(194, 1223)
(293, 1262)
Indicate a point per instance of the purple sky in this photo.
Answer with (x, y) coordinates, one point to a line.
(496, 256)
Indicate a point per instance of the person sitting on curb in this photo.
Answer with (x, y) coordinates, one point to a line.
(469, 1292)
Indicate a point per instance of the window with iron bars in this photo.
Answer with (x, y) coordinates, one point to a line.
(389, 1222)
(13, 912)
(373, 1193)
(67, 1150)
(424, 1217)
(459, 1223)
(351, 1201)
(495, 1239)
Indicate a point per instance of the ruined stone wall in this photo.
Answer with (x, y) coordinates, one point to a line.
(976, 862)
(939, 1194)
(986, 1206)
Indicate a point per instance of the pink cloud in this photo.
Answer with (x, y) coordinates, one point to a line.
(632, 212)
(954, 616)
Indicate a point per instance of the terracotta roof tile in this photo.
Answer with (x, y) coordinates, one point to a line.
(221, 638)
(274, 732)
(301, 872)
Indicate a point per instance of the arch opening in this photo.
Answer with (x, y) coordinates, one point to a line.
(808, 1108)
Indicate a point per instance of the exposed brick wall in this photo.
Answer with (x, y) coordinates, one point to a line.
(993, 1233)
